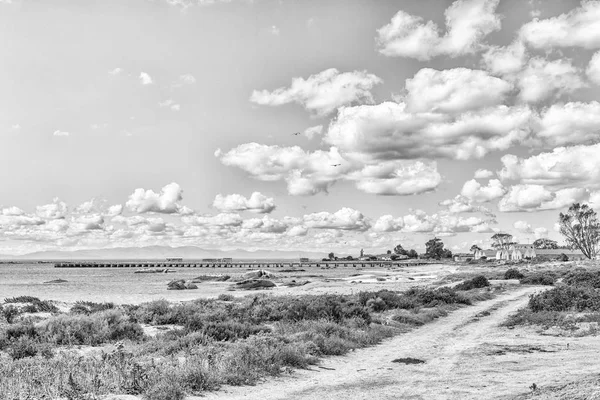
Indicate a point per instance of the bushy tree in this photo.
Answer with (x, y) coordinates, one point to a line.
(475, 248)
(434, 248)
(413, 254)
(400, 250)
(331, 256)
(581, 229)
(545, 244)
(502, 241)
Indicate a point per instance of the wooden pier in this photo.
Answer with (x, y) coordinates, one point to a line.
(240, 264)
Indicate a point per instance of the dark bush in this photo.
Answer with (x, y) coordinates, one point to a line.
(563, 257)
(225, 297)
(477, 282)
(540, 278)
(566, 298)
(16, 331)
(88, 307)
(225, 331)
(9, 313)
(22, 348)
(434, 297)
(583, 278)
(35, 304)
(513, 273)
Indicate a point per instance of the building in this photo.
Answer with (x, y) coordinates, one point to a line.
(527, 251)
(463, 257)
(304, 259)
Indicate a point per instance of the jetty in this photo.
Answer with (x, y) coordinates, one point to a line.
(242, 264)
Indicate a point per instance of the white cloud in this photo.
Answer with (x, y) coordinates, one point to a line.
(418, 221)
(145, 79)
(389, 131)
(461, 204)
(343, 219)
(223, 219)
(388, 223)
(593, 69)
(579, 27)
(274, 31)
(454, 90)
(571, 123)
(542, 78)
(114, 210)
(188, 79)
(576, 166)
(167, 201)
(60, 133)
(313, 131)
(523, 227)
(474, 191)
(540, 233)
(55, 210)
(505, 60)
(257, 203)
(467, 22)
(483, 173)
(170, 103)
(15, 127)
(322, 93)
(398, 178)
(12, 211)
(537, 197)
(265, 224)
(115, 71)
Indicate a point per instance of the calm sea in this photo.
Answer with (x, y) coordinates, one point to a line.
(119, 285)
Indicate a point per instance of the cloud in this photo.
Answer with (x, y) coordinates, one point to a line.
(389, 131)
(274, 31)
(571, 123)
(505, 60)
(187, 79)
(523, 227)
(167, 201)
(454, 90)
(474, 191)
(322, 93)
(145, 79)
(313, 131)
(483, 173)
(309, 173)
(461, 204)
(12, 211)
(579, 27)
(60, 133)
(170, 103)
(343, 219)
(418, 221)
(257, 203)
(540, 233)
(467, 23)
(576, 166)
(223, 219)
(593, 69)
(265, 224)
(388, 223)
(537, 197)
(115, 71)
(542, 78)
(55, 210)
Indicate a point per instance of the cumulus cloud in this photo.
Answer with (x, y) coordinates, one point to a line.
(540, 233)
(313, 131)
(467, 23)
(454, 90)
(12, 211)
(537, 197)
(505, 60)
(167, 201)
(571, 123)
(542, 78)
(563, 167)
(265, 224)
(322, 93)
(145, 79)
(474, 191)
(60, 133)
(389, 131)
(483, 173)
(593, 69)
(579, 27)
(170, 103)
(418, 221)
(461, 204)
(387, 223)
(257, 203)
(187, 79)
(223, 219)
(343, 219)
(55, 210)
(523, 227)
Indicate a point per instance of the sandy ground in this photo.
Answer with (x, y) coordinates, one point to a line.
(467, 356)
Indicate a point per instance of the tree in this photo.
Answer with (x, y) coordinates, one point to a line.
(475, 248)
(502, 241)
(434, 248)
(581, 229)
(413, 254)
(400, 250)
(331, 256)
(389, 252)
(545, 244)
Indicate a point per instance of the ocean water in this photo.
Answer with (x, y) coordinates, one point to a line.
(118, 285)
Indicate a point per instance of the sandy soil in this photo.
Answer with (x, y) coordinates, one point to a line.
(467, 356)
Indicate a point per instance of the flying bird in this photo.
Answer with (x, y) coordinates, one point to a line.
(296, 133)
(335, 165)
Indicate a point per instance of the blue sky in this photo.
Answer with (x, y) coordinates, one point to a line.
(172, 122)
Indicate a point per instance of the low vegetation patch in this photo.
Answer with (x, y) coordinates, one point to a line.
(229, 340)
(477, 282)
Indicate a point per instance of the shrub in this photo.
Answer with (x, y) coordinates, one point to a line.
(563, 257)
(9, 313)
(513, 273)
(88, 307)
(540, 278)
(225, 297)
(477, 282)
(435, 297)
(225, 331)
(16, 331)
(35, 304)
(166, 388)
(22, 348)
(583, 278)
(566, 298)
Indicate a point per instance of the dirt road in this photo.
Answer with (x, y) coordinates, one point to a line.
(467, 356)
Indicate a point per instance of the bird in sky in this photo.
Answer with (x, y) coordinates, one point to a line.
(296, 133)
(335, 165)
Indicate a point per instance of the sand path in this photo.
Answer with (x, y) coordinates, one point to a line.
(467, 356)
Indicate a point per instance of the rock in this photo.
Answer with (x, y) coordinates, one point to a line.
(215, 278)
(176, 285)
(253, 284)
(57, 281)
(261, 273)
(190, 285)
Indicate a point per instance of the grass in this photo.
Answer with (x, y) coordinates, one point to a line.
(235, 341)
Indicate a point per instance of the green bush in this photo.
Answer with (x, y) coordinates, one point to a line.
(477, 282)
(513, 273)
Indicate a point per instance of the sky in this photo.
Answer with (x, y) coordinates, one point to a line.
(329, 125)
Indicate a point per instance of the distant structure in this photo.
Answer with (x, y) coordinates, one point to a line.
(525, 251)
(175, 259)
(221, 260)
(362, 253)
(304, 259)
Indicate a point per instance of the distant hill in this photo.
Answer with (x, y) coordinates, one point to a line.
(160, 253)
